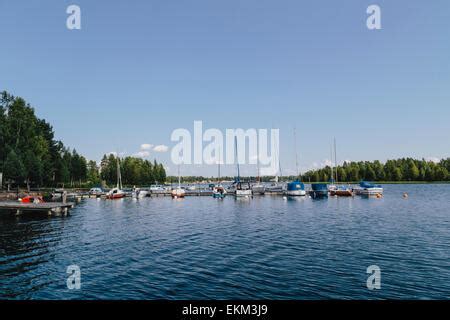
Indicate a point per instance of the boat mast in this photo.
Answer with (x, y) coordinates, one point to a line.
(296, 153)
(119, 176)
(179, 178)
(218, 169)
(277, 157)
(331, 165)
(237, 159)
(335, 160)
(258, 179)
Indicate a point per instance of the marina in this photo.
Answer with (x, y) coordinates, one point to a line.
(201, 248)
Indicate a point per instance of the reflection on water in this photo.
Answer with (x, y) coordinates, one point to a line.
(262, 247)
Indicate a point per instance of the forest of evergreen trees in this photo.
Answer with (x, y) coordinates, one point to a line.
(134, 171)
(406, 169)
(31, 156)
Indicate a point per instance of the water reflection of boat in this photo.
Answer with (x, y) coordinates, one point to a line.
(319, 190)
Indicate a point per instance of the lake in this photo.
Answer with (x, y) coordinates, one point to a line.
(261, 248)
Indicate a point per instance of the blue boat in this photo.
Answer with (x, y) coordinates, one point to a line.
(319, 190)
(369, 189)
(296, 188)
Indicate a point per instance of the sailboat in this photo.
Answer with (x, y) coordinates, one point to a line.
(242, 189)
(338, 190)
(117, 192)
(276, 186)
(296, 188)
(178, 192)
(258, 187)
(219, 191)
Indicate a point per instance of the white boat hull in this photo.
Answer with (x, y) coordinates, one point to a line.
(296, 193)
(258, 189)
(178, 193)
(369, 191)
(243, 193)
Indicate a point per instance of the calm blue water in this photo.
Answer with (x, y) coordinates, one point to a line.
(263, 248)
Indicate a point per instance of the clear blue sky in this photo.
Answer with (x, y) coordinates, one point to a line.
(139, 69)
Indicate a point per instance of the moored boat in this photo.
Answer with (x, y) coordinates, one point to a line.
(243, 189)
(295, 188)
(369, 189)
(117, 192)
(219, 192)
(32, 199)
(178, 192)
(342, 191)
(140, 193)
(258, 188)
(319, 190)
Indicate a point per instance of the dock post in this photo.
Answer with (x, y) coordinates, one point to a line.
(18, 212)
(49, 213)
(65, 211)
(64, 197)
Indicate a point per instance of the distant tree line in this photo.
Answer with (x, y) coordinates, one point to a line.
(405, 169)
(31, 156)
(134, 171)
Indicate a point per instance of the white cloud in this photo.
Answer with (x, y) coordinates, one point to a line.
(142, 154)
(146, 146)
(433, 159)
(161, 148)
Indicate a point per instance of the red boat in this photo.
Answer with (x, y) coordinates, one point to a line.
(32, 199)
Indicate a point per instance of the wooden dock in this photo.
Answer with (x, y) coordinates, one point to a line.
(51, 208)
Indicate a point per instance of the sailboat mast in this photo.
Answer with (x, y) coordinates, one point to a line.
(257, 162)
(335, 161)
(179, 177)
(237, 159)
(218, 168)
(119, 182)
(296, 153)
(332, 164)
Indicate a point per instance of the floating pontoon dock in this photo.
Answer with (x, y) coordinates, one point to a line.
(51, 208)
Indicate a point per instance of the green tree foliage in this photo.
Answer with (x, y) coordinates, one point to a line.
(134, 171)
(29, 154)
(406, 169)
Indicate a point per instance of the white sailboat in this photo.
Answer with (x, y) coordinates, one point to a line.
(276, 186)
(117, 192)
(296, 188)
(242, 189)
(178, 192)
(219, 191)
(258, 187)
